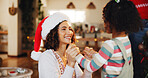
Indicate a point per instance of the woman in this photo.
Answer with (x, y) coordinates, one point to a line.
(58, 61)
(120, 18)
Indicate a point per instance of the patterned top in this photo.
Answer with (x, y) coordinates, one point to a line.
(109, 58)
(61, 65)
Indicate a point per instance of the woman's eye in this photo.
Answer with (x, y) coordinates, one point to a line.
(63, 29)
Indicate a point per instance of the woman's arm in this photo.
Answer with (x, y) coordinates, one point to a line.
(78, 71)
(80, 74)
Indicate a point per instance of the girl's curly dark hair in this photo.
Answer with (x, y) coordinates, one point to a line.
(52, 39)
(122, 16)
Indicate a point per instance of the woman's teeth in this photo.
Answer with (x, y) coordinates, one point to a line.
(68, 37)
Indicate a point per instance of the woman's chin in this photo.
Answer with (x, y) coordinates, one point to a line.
(68, 42)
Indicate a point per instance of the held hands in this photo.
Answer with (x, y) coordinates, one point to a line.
(71, 53)
(88, 52)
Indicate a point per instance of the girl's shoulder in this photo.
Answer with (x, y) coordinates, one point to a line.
(108, 44)
(111, 43)
(119, 38)
(108, 41)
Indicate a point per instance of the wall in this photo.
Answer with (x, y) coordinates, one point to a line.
(4, 15)
(3, 22)
(11, 23)
(92, 15)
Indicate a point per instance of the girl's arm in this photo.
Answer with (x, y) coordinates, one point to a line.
(98, 60)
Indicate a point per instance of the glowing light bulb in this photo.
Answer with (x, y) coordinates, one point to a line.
(95, 39)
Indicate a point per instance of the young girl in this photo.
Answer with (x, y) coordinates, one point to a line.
(120, 18)
(58, 61)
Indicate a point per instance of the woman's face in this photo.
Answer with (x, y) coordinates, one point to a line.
(65, 33)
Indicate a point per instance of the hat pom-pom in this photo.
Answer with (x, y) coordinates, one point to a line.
(35, 55)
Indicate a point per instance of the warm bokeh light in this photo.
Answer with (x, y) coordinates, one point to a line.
(95, 39)
(27, 37)
(101, 37)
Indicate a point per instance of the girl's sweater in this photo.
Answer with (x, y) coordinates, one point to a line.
(109, 57)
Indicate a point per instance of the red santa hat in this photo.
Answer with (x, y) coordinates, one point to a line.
(44, 28)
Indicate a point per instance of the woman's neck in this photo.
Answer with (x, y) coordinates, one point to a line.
(61, 50)
(118, 34)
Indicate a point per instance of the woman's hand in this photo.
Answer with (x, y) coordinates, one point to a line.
(71, 53)
(88, 52)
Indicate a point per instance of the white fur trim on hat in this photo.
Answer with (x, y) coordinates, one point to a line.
(51, 22)
(35, 55)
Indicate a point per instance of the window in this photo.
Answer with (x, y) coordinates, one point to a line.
(75, 16)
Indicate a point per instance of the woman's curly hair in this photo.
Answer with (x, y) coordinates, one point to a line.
(122, 16)
(52, 39)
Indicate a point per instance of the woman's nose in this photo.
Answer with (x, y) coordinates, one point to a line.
(69, 31)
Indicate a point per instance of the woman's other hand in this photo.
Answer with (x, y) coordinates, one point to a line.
(71, 53)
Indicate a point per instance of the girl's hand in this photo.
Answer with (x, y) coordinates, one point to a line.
(88, 52)
(71, 53)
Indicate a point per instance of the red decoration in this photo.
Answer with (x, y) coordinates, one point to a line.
(92, 29)
(142, 7)
(12, 71)
(144, 57)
